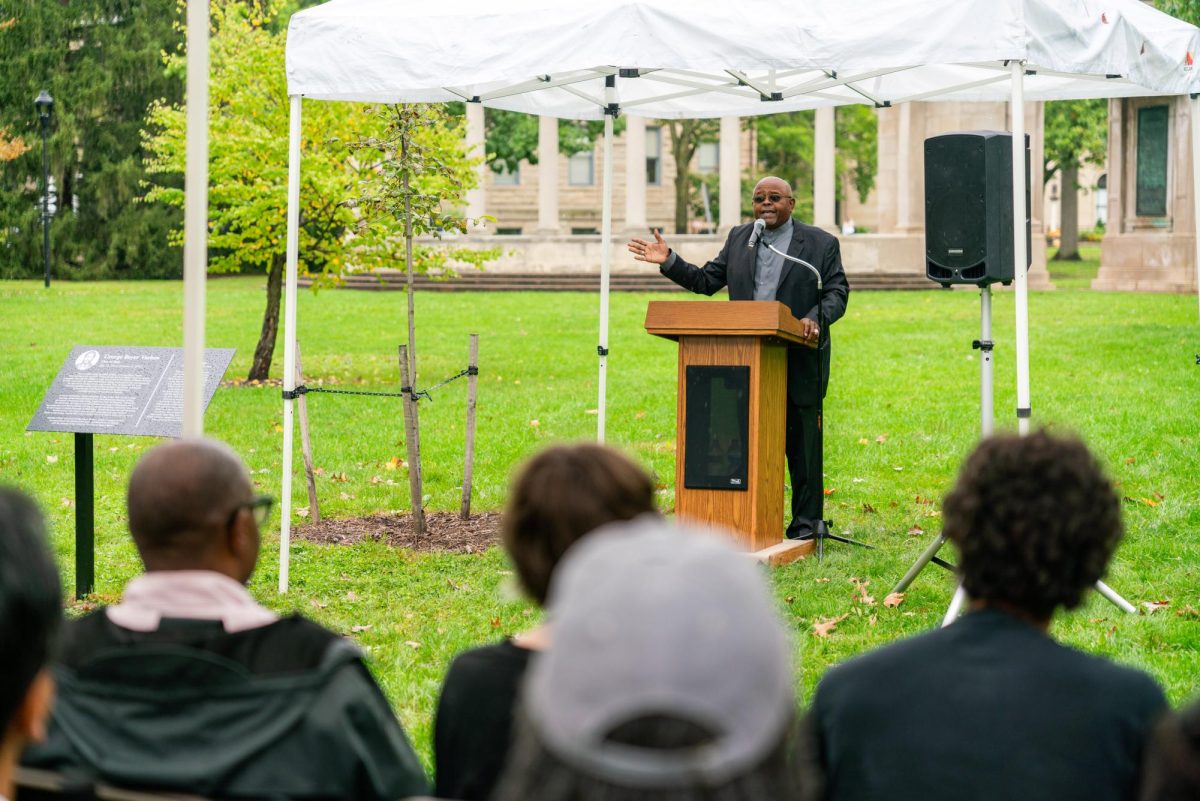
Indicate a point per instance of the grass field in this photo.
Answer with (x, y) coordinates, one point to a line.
(902, 411)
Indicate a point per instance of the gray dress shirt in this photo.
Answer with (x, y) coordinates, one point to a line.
(768, 265)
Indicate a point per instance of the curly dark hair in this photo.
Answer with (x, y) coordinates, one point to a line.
(1035, 520)
(561, 494)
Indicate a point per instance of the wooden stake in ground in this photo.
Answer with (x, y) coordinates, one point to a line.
(411, 439)
(469, 462)
(314, 509)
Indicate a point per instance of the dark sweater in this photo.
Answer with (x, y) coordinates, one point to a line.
(474, 726)
(988, 709)
(286, 710)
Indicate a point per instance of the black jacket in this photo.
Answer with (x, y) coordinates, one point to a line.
(287, 710)
(808, 369)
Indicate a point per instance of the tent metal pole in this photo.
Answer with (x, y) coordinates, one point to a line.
(195, 218)
(289, 338)
(1195, 103)
(610, 92)
(1020, 254)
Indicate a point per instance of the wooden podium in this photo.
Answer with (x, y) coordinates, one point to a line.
(731, 417)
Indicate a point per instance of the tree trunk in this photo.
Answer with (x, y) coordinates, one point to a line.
(1068, 248)
(261, 368)
(408, 357)
(682, 150)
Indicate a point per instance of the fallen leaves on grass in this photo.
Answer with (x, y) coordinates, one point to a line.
(868, 509)
(534, 423)
(826, 626)
(413, 644)
(51, 459)
(864, 441)
(351, 596)
(341, 478)
(359, 629)
(915, 530)
(860, 592)
(882, 438)
(1153, 606)
(893, 600)
(829, 491)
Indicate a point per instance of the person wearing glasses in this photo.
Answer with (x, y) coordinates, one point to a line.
(762, 272)
(188, 684)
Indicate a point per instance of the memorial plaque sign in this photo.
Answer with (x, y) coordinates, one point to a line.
(116, 390)
(124, 390)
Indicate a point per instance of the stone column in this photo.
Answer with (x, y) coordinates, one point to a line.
(824, 170)
(635, 175)
(1035, 124)
(730, 176)
(548, 221)
(905, 223)
(476, 147)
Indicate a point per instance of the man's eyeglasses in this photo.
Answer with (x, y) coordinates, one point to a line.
(259, 506)
(774, 197)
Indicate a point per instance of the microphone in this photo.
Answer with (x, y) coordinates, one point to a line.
(759, 225)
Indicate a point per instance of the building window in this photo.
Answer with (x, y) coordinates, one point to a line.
(581, 169)
(1102, 200)
(654, 155)
(708, 158)
(506, 177)
(1151, 190)
(508, 231)
(584, 230)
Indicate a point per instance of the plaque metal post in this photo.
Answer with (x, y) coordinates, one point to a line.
(85, 517)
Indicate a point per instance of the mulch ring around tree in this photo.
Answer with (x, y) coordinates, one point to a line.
(446, 532)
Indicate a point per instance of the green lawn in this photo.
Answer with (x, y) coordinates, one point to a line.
(901, 413)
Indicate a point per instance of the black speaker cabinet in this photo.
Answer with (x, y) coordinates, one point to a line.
(968, 208)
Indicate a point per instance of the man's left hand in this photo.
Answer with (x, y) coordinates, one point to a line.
(810, 331)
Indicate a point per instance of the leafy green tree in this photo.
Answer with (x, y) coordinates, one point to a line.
(1187, 10)
(101, 61)
(512, 137)
(785, 144)
(416, 172)
(248, 161)
(1075, 133)
(686, 136)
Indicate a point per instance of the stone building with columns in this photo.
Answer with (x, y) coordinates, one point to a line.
(1150, 240)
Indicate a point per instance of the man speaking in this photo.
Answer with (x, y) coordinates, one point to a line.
(753, 266)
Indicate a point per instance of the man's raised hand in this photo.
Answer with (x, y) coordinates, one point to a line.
(655, 252)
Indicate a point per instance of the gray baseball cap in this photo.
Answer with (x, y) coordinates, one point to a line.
(649, 618)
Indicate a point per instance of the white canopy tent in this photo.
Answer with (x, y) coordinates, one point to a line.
(711, 58)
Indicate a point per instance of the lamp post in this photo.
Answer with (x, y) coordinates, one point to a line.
(45, 104)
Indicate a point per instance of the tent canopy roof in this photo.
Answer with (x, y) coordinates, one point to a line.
(707, 58)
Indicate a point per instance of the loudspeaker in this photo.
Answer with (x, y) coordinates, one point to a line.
(968, 208)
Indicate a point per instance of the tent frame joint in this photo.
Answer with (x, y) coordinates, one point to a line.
(601, 350)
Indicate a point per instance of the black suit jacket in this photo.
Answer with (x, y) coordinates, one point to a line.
(987, 709)
(808, 369)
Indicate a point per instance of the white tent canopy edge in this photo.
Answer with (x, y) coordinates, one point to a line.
(983, 50)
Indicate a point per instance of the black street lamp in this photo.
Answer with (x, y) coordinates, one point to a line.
(45, 104)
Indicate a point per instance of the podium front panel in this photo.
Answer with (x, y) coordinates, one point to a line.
(717, 444)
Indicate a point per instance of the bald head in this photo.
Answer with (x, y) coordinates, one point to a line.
(773, 201)
(182, 497)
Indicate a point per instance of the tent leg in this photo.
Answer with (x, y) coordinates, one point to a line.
(289, 337)
(1195, 103)
(195, 219)
(606, 255)
(1020, 253)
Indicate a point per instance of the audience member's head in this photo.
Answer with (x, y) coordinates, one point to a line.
(192, 507)
(1035, 520)
(30, 611)
(1172, 770)
(560, 495)
(670, 676)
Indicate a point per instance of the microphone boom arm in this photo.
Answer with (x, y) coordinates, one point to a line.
(816, 273)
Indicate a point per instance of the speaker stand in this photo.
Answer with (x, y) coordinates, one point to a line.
(984, 346)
